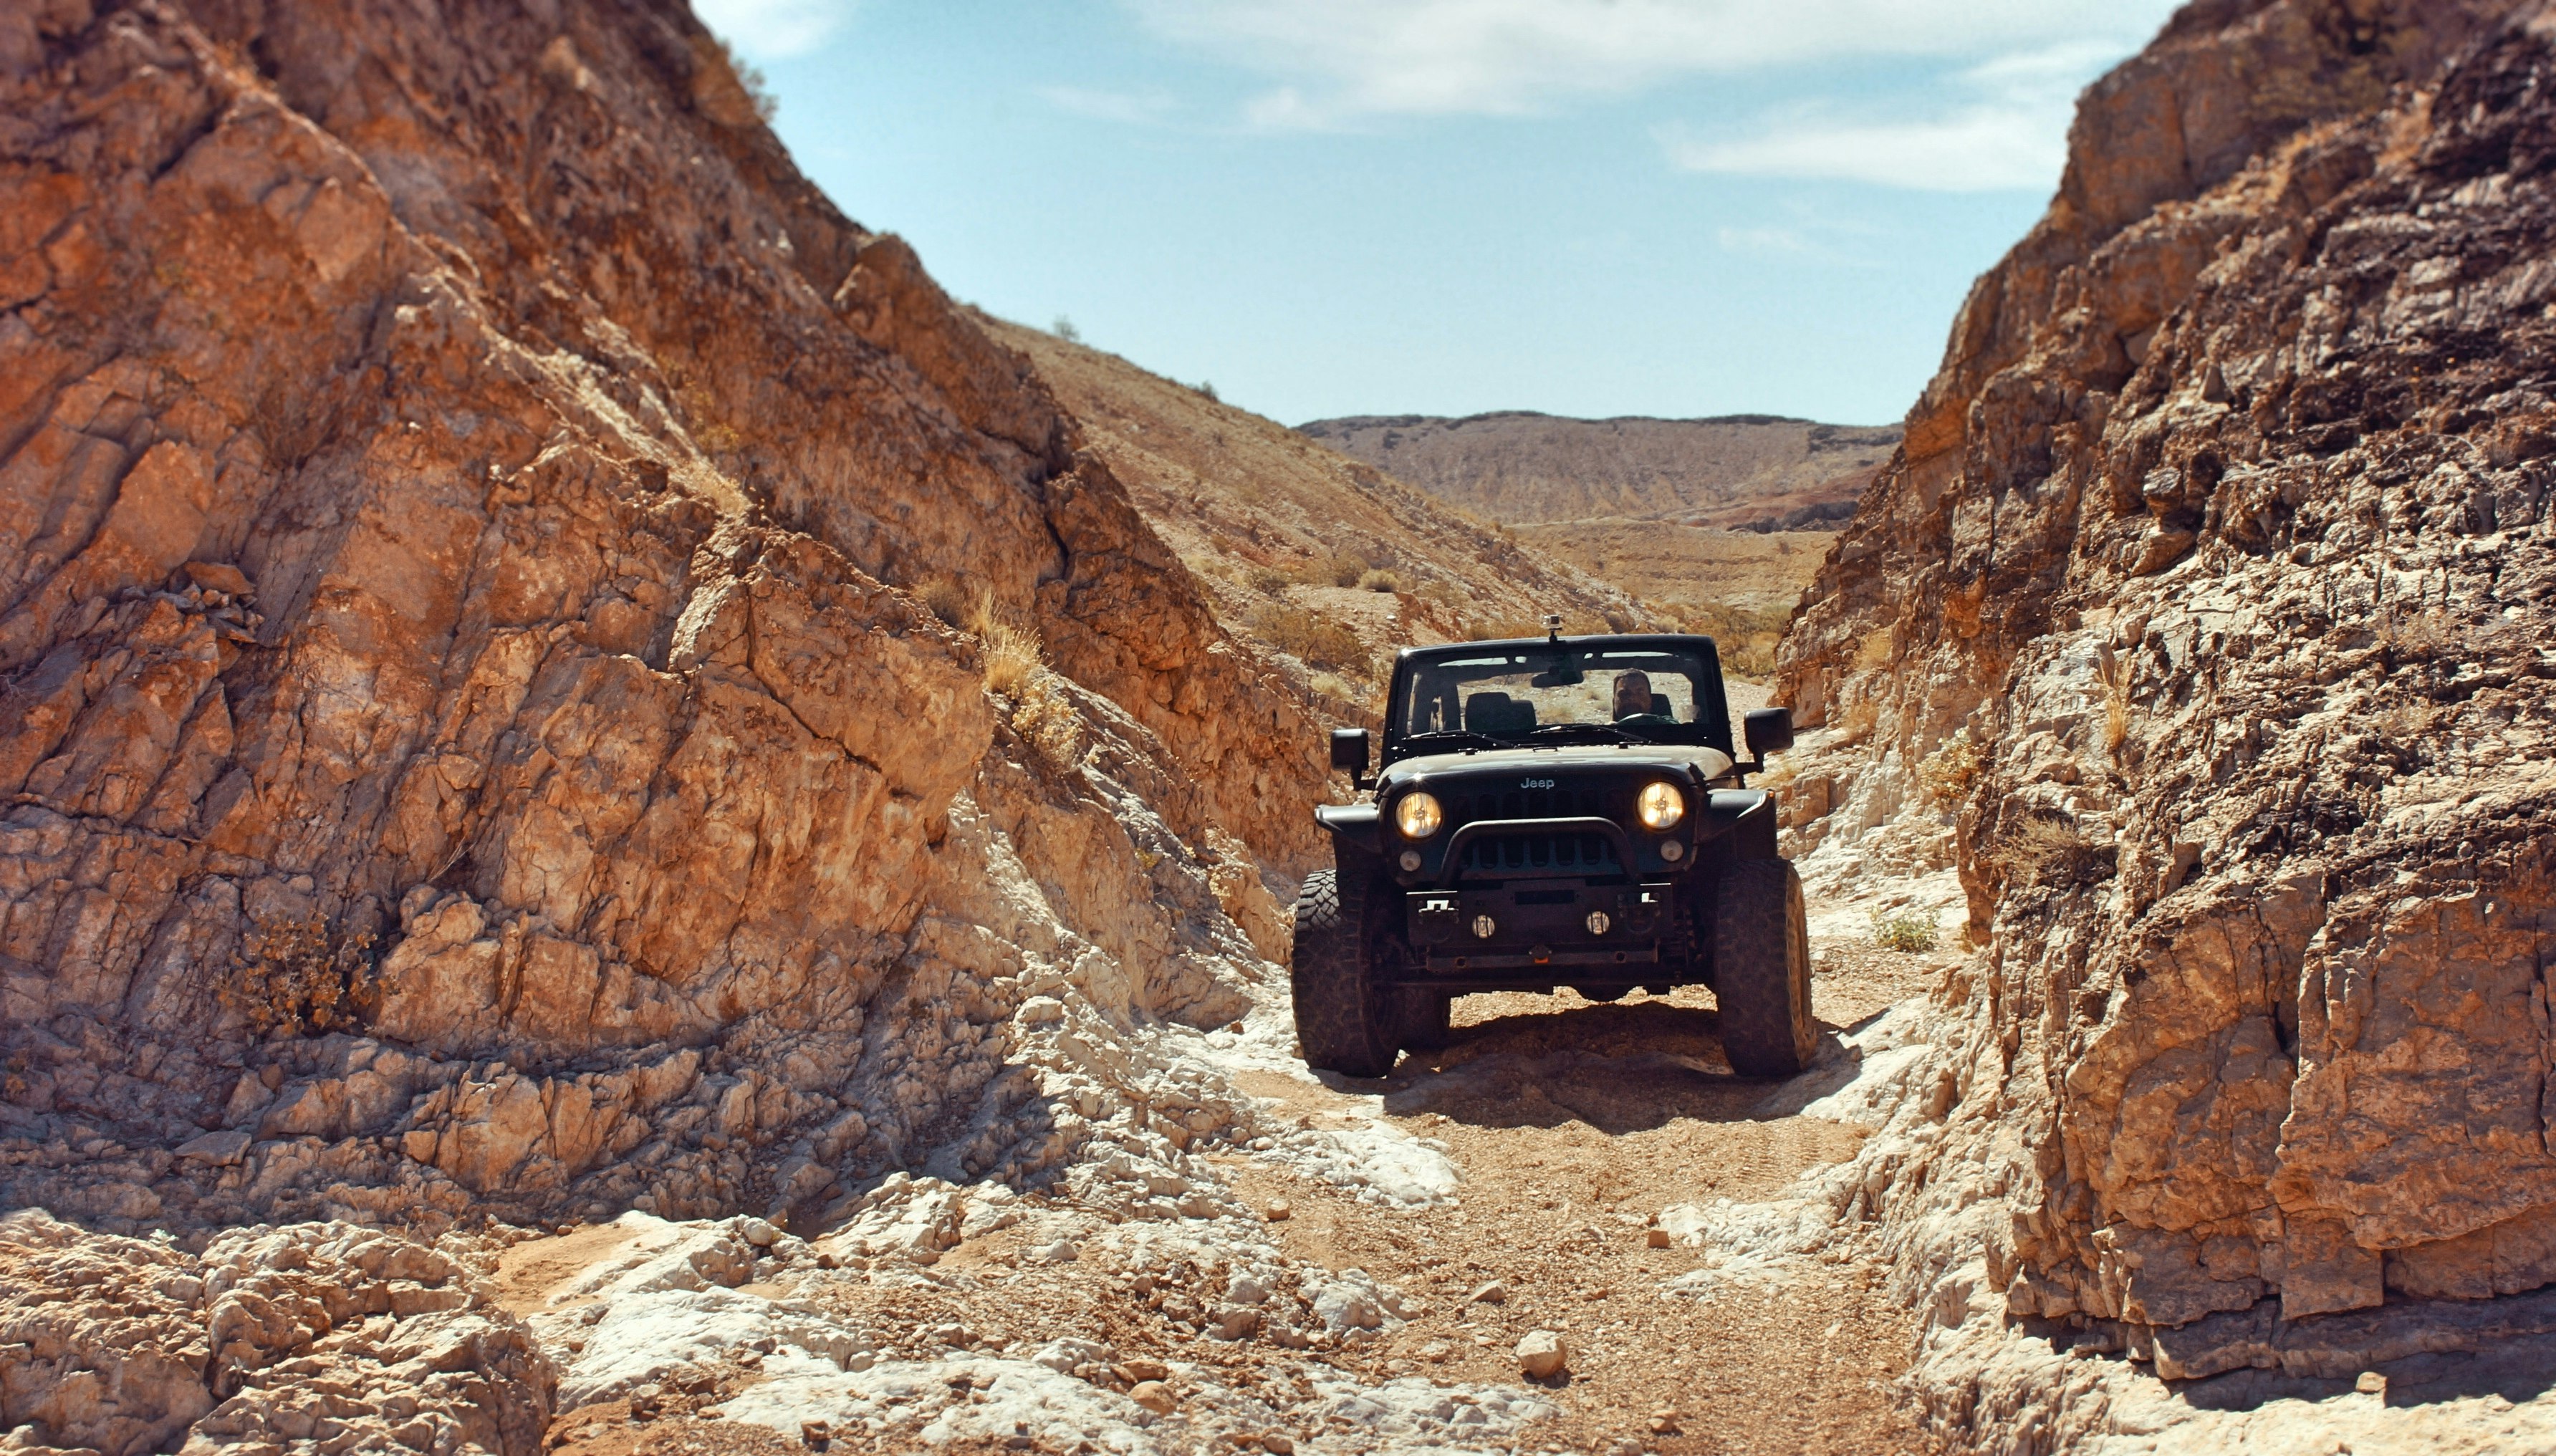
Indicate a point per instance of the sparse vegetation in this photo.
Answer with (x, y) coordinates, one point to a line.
(1207, 388)
(1948, 773)
(1268, 581)
(758, 88)
(1332, 684)
(2045, 848)
(1012, 652)
(1046, 720)
(946, 600)
(1378, 580)
(1315, 639)
(291, 976)
(1910, 930)
(1066, 330)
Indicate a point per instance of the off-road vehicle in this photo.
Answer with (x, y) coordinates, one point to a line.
(1554, 811)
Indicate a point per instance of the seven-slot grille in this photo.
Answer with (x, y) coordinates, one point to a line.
(1498, 854)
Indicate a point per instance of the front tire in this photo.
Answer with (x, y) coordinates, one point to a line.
(1427, 1019)
(1343, 1020)
(1761, 955)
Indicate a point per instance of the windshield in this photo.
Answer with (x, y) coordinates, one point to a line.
(1650, 693)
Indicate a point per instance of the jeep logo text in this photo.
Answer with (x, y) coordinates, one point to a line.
(1536, 784)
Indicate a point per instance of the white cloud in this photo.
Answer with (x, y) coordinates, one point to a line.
(2007, 128)
(775, 30)
(1337, 60)
(1135, 108)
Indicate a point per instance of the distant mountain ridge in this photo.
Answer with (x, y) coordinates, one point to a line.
(1765, 472)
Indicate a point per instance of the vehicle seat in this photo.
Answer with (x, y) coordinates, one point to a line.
(1660, 707)
(1497, 712)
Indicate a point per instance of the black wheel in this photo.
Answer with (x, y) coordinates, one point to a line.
(1423, 1018)
(1343, 1020)
(1761, 954)
(1601, 993)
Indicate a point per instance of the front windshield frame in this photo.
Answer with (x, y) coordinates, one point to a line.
(1439, 669)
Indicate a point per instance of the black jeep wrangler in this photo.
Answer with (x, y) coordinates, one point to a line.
(1564, 811)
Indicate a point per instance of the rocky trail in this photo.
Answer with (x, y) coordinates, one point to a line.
(1358, 1275)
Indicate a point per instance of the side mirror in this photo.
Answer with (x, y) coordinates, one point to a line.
(1349, 750)
(1769, 730)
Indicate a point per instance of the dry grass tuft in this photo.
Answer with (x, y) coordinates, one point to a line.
(1378, 580)
(291, 976)
(1013, 655)
(2046, 849)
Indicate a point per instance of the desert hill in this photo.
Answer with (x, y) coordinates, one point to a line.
(1733, 472)
(1716, 524)
(1320, 555)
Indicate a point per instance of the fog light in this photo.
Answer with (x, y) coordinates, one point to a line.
(1597, 923)
(1483, 926)
(1671, 851)
(1410, 860)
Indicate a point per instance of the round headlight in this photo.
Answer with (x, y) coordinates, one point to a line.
(1660, 807)
(1418, 815)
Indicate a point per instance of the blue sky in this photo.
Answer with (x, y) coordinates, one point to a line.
(1324, 208)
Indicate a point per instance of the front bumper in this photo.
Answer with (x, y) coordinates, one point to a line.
(1530, 926)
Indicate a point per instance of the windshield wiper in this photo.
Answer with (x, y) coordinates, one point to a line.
(1620, 735)
(1435, 735)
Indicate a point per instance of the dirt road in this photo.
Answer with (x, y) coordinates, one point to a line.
(1571, 1128)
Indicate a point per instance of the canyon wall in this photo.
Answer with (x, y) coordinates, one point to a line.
(2208, 607)
(469, 736)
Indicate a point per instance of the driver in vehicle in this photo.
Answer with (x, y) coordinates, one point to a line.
(1632, 695)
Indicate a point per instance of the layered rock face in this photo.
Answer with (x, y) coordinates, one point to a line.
(468, 740)
(2225, 540)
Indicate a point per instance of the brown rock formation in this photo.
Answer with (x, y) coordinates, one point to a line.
(463, 737)
(2226, 534)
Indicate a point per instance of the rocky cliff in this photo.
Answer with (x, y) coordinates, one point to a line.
(2204, 622)
(472, 739)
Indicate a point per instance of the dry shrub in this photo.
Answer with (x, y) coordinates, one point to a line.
(1317, 641)
(1046, 720)
(1268, 581)
(1013, 655)
(1344, 571)
(2046, 849)
(1334, 686)
(1948, 772)
(291, 976)
(1910, 932)
(946, 599)
(1378, 582)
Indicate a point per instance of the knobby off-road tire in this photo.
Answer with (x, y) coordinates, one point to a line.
(1424, 1019)
(1762, 952)
(1343, 1020)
